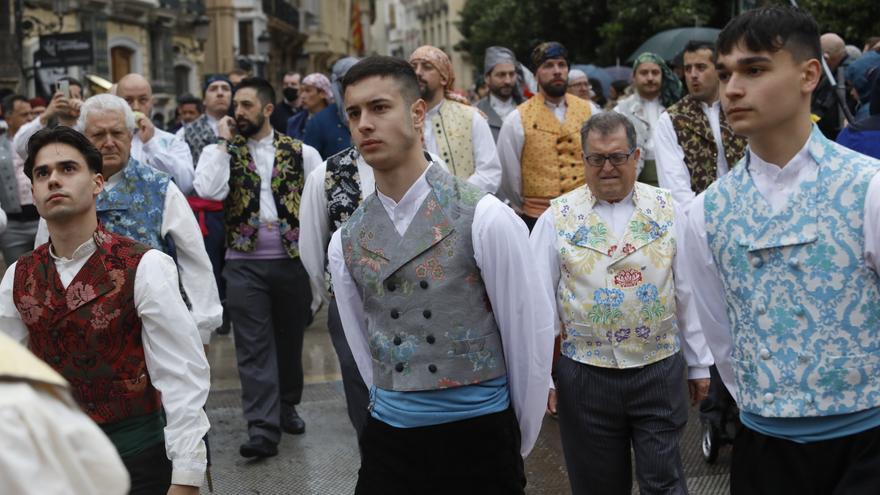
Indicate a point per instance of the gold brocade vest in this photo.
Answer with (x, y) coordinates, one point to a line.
(551, 157)
(452, 132)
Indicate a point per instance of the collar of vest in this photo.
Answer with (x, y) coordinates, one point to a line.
(121, 197)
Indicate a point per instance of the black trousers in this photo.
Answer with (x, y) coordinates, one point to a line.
(478, 455)
(764, 465)
(150, 471)
(357, 397)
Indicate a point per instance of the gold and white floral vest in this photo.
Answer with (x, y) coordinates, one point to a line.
(616, 297)
(453, 128)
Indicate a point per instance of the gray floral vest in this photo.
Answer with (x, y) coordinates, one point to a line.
(429, 319)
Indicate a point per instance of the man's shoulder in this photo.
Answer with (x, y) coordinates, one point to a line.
(146, 173)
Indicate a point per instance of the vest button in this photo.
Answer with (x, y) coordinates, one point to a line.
(423, 284)
(799, 310)
(768, 398)
(804, 359)
(793, 263)
(391, 286)
(426, 313)
(432, 368)
(808, 398)
(756, 262)
(395, 314)
(91, 406)
(534, 126)
(765, 353)
(398, 367)
(397, 340)
(430, 339)
(761, 309)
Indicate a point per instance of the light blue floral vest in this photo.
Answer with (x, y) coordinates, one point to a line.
(430, 323)
(134, 207)
(804, 308)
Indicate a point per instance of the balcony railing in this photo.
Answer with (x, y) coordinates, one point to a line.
(282, 10)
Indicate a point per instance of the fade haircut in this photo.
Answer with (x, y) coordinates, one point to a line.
(264, 89)
(64, 135)
(606, 123)
(770, 29)
(696, 45)
(381, 66)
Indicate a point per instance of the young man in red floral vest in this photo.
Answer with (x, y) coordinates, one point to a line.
(105, 312)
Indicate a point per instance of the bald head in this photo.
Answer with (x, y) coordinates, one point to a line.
(136, 90)
(834, 49)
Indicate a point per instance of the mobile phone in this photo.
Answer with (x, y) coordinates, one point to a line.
(64, 87)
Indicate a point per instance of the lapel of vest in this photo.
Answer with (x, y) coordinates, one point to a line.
(122, 195)
(698, 120)
(492, 116)
(645, 225)
(92, 281)
(593, 233)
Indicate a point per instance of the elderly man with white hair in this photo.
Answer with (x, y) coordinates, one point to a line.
(145, 204)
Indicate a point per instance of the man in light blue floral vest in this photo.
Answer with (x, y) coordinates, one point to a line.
(609, 253)
(784, 254)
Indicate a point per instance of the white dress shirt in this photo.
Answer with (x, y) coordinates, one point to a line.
(166, 152)
(672, 171)
(501, 251)
(196, 273)
(511, 139)
(777, 185)
(544, 240)
(487, 168)
(502, 107)
(173, 352)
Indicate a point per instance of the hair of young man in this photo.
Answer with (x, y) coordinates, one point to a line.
(397, 69)
(103, 103)
(770, 29)
(8, 103)
(64, 135)
(188, 99)
(265, 92)
(696, 45)
(606, 123)
(291, 73)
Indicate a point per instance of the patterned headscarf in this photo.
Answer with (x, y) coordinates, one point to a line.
(441, 62)
(670, 87)
(547, 50)
(340, 68)
(320, 81)
(497, 55)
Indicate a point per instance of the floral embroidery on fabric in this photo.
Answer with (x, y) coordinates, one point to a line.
(628, 278)
(78, 294)
(430, 268)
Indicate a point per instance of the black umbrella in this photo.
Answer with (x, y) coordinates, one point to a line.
(670, 43)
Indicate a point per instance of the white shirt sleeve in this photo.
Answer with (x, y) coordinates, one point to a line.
(21, 138)
(176, 363)
(511, 138)
(351, 309)
(543, 243)
(2, 221)
(212, 173)
(314, 227)
(872, 224)
(311, 159)
(672, 172)
(51, 447)
(172, 157)
(196, 272)
(487, 167)
(524, 315)
(10, 319)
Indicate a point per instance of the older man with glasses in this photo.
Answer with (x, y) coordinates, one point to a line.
(607, 254)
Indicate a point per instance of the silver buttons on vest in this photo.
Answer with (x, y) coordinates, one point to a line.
(808, 398)
(769, 398)
(793, 263)
(756, 262)
(799, 310)
(764, 353)
(761, 307)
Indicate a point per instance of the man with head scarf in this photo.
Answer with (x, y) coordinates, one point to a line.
(500, 69)
(315, 95)
(327, 130)
(540, 143)
(657, 87)
(454, 130)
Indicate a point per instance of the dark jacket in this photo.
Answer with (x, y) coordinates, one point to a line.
(326, 133)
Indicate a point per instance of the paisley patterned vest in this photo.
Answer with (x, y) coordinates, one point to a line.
(90, 332)
(429, 320)
(696, 140)
(242, 205)
(617, 295)
(804, 307)
(551, 157)
(342, 187)
(135, 207)
(197, 135)
(452, 132)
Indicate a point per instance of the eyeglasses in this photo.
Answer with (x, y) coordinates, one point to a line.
(616, 159)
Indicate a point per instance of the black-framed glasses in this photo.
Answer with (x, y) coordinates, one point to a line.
(617, 159)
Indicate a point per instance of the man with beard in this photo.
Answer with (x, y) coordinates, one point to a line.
(157, 148)
(258, 173)
(453, 130)
(657, 87)
(289, 104)
(540, 142)
(504, 95)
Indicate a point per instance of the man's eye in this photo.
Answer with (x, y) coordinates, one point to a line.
(723, 76)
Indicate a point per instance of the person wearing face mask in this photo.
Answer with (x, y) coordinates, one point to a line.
(289, 104)
(315, 95)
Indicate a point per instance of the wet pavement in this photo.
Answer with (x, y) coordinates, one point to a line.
(325, 460)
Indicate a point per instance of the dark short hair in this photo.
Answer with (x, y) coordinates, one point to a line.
(770, 29)
(606, 123)
(64, 135)
(697, 45)
(8, 103)
(264, 89)
(620, 86)
(71, 81)
(381, 66)
(188, 99)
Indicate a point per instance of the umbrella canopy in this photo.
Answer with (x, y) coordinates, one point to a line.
(620, 73)
(599, 73)
(670, 43)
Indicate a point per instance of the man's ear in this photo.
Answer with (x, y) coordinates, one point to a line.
(811, 73)
(268, 109)
(99, 184)
(418, 110)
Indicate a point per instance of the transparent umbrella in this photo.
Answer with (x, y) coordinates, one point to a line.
(670, 43)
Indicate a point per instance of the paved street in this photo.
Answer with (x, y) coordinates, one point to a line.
(324, 461)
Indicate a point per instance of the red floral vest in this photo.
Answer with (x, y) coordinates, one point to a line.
(90, 332)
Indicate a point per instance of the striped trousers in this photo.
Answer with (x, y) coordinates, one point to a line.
(604, 411)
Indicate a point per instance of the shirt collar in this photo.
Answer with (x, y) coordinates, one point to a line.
(798, 162)
(83, 251)
(498, 102)
(554, 106)
(266, 141)
(434, 111)
(415, 191)
(627, 199)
